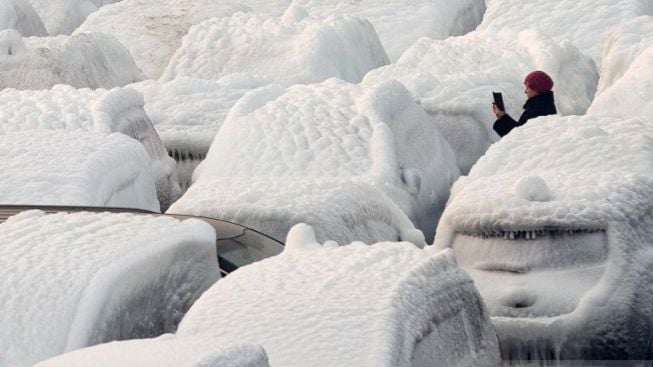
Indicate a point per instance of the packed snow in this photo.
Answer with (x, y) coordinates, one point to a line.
(164, 351)
(72, 280)
(92, 60)
(187, 113)
(101, 111)
(21, 16)
(63, 16)
(400, 23)
(152, 30)
(561, 201)
(283, 150)
(390, 304)
(75, 168)
(454, 80)
(585, 23)
(290, 49)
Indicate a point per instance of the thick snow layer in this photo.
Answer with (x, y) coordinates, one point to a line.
(164, 351)
(63, 16)
(308, 143)
(91, 60)
(72, 280)
(152, 31)
(75, 168)
(102, 111)
(291, 49)
(400, 23)
(21, 16)
(454, 80)
(583, 22)
(622, 46)
(561, 201)
(390, 304)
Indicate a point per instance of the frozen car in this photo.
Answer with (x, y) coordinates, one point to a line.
(554, 226)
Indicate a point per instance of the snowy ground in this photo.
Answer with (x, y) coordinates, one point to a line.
(370, 121)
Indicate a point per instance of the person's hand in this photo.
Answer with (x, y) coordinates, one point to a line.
(497, 112)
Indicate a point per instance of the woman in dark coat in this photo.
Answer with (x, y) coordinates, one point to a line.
(540, 102)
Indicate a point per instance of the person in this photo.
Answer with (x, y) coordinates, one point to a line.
(540, 102)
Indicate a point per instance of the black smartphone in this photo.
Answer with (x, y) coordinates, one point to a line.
(498, 100)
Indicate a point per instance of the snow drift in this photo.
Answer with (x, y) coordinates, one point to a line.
(75, 168)
(102, 111)
(310, 153)
(91, 60)
(584, 23)
(63, 16)
(454, 80)
(21, 16)
(581, 217)
(291, 49)
(72, 280)
(152, 31)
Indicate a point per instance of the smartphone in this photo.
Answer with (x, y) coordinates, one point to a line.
(498, 100)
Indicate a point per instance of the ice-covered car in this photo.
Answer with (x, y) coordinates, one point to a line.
(554, 226)
(380, 305)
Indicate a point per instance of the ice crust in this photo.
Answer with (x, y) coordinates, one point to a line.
(75, 168)
(322, 146)
(585, 23)
(64, 16)
(164, 351)
(454, 80)
(72, 280)
(92, 60)
(21, 16)
(390, 304)
(152, 31)
(100, 111)
(561, 200)
(290, 49)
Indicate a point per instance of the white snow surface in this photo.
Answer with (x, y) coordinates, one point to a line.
(390, 304)
(67, 280)
(309, 143)
(64, 16)
(290, 49)
(92, 60)
(585, 23)
(152, 31)
(561, 200)
(164, 351)
(117, 110)
(75, 168)
(21, 16)
(454, 80)
(400, 23)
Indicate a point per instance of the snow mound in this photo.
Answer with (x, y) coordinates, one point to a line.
(187, 113)
(582, 218)
(585, 23)
(21, 16)
(152, 31)
(63, 16)
(68, 280)
(164, 351)
(75, 168)
(454, 80)
(91, 60)
(622, 46)
(314, 140)
(102, 111)
(390, 304)
(291, 49)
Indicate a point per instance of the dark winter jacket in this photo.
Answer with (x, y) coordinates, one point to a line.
(539, 105)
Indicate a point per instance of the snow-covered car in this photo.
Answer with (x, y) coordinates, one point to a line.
(554, 226)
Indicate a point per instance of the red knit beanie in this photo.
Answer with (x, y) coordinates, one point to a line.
(539, 81)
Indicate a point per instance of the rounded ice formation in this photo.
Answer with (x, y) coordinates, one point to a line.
(533, 188)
